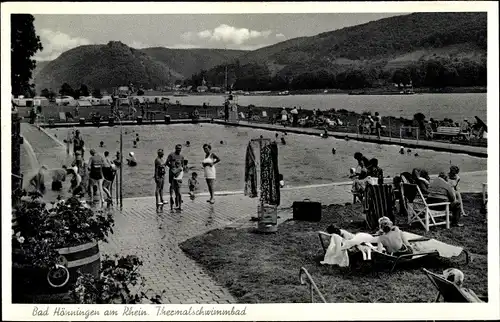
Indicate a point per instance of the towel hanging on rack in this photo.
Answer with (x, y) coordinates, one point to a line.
(250, 173)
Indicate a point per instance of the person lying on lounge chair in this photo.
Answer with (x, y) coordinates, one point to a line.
(361, 241)
(392, 238)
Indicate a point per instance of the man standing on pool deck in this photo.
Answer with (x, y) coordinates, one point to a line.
(171, 159)
(159, 180)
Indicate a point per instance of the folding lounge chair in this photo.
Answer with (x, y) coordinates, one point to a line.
(452, 293)
(423, 247)
(419, 210)
(378, 202)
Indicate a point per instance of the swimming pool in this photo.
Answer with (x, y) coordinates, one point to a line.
(303, 160)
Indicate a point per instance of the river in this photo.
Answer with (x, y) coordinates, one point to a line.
(458, 107)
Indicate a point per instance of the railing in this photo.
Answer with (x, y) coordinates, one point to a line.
(305, 278)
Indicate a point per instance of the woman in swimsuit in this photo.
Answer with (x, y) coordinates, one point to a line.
(209, 169)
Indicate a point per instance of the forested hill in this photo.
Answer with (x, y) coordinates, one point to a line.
(432, 49)
(190, 61)
(104, 66)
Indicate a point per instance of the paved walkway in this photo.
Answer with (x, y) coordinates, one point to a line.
(434, 145)
(139, 230)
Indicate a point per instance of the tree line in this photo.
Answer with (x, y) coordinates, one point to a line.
(435, 73)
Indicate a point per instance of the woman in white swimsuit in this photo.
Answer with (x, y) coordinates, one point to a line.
(209, 169)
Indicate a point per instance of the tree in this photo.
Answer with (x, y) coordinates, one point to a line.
(45, 93)
(84, 90)
(66, 90)
(140, 92)
(96, 93)
(24, 43)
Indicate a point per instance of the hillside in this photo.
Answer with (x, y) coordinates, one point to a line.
(39, 66)
(190, 61)
(373, 51)
(104, 66)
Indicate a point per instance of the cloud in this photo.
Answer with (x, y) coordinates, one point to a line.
(280, 35)
(226, 34)
(56, 42)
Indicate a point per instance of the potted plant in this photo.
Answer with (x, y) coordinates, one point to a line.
(50, 244)
(119, 282)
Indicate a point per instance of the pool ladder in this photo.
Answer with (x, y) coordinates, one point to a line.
(305, 278)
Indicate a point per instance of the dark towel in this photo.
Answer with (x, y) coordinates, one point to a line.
(269, 174)
(250, 173)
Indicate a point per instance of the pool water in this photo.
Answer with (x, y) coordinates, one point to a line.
(304, 160)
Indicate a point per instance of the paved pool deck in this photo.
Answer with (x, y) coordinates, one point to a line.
(155, 237)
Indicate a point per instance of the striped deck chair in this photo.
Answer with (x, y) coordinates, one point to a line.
(378, 202)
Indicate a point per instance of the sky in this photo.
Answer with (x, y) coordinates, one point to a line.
(60, 33)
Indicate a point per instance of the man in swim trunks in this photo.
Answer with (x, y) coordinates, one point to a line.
(159, 177)
(171, 159)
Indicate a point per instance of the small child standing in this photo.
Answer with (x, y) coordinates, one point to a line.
(176, 184)
(193, 185)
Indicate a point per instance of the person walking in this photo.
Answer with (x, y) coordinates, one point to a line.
(209, 169)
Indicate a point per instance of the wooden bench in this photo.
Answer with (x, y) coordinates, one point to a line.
(449, 131)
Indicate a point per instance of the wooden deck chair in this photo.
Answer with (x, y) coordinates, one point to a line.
(419, 210)
(378, 202)
(450, 292)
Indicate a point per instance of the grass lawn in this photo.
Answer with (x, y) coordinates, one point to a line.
(259, 268)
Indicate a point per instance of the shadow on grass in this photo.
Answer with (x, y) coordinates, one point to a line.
(264, 268)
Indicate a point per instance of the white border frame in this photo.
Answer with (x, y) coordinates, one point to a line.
(420, 311)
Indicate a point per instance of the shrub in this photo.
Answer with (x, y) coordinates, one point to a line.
(115, 284)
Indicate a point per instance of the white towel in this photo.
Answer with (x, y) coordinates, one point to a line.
(334, 255)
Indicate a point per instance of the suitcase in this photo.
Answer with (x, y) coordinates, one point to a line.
(307, 210)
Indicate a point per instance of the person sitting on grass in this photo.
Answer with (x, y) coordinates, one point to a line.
(193, 184)
(392, 238)
(441, 191)
(453, 180)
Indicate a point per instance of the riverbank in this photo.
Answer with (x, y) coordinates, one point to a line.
(331, 91)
